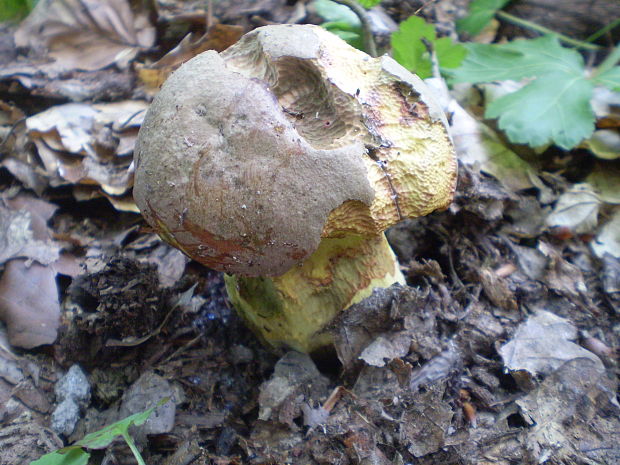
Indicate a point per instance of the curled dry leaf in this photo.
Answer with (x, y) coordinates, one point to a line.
(86, 34)
(218, 38)
(89, 145)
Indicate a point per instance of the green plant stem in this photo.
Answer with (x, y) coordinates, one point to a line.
(360, 11)
(610, 61)
(603, 30)
(543, 30)
(132, 445)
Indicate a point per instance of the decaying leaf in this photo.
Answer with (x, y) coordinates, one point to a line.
(86, 34)
(218, 38)
(576, 209)
(89, 145)
(573, 415)
(542, 344)
(383, 350)
(23, 231)
(29, 303)
(295, 382)
(607, 240)
(605, 181)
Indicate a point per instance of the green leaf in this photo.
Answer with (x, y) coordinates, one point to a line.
(348, 33)
(409, 49)
(75, 455)
(449, 54)
(104, 437)
(368, 3)
(553, 108)
(335, 12)
(340, 20)
(517, 60)
(480, 14)
(66, 456)
(610, 79)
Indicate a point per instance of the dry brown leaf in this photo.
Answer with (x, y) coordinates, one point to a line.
(218, 38)
(29, 303)
(24, 232)
(86, 34)
(90, 145)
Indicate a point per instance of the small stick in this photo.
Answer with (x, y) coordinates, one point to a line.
(362, 14)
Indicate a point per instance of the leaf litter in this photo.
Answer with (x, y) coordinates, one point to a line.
(502, 348)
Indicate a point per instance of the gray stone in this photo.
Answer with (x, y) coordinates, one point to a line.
(73, 385)
(65, 417)
(146, 392)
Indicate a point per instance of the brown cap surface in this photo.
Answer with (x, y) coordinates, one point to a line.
(247, 158)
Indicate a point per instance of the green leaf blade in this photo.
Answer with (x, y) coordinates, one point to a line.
(104, 437)
(609, 79)
(552, 109)
(449, 54)
(335, 12)
(519, 59)
(368, 3)
(408, 48)
(66, 456)
(480, 14)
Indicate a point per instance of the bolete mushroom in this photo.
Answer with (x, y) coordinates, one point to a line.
(281, 161)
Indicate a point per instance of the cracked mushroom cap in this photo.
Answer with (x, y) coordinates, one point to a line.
(247, 158)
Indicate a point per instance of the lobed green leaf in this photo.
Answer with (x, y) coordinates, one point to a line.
(409, 50)
(553, 108)
(522, 58)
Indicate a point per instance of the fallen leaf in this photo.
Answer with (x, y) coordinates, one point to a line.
(29, 303)
(23, 230)
(605, 181)
(608, 238)
(86, 34)
(576, 209)
(90, 145)
(383, 350)
(542, 344)
(218, 38)
(573, 415)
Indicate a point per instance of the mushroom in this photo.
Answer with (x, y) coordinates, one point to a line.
(281, 161)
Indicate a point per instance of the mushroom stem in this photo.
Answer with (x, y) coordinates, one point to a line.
(292, 310)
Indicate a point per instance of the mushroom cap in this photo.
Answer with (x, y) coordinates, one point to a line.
(247, 158)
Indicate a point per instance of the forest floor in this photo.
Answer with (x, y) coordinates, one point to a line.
(501, 349)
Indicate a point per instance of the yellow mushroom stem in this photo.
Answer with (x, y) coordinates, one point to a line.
(292, 310)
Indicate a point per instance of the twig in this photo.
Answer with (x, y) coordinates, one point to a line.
(209, 19)
(362, 14)
(603, 30)
(543, 30)
(610, 61)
